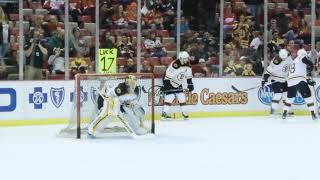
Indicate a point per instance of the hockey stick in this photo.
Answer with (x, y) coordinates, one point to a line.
(127, 127)
(99, 92)
(174, 90)
(252, 88)
(244, 90)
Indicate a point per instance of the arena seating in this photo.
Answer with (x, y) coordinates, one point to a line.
(86, 23)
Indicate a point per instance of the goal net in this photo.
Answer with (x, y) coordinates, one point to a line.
(85, 107)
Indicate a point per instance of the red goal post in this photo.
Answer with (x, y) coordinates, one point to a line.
(144, 81)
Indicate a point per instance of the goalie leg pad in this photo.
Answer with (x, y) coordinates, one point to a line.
(133, 121)
(139, 111)
(98, 124)
(110, 108)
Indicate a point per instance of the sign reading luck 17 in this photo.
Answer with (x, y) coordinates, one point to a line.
(107, 60)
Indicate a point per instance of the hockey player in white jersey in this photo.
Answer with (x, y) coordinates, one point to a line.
(177, 81)
(119, 101)
(298, 82)
(278, 71)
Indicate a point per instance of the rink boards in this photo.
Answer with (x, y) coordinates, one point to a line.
(50, 102)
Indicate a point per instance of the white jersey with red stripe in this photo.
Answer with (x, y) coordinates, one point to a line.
(279, 71)
(178, 74)
(297, 72)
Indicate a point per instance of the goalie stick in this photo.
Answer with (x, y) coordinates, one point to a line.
(127, 127)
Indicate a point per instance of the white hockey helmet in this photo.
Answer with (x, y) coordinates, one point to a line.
(302, 52)
(184, 57)
(283, 54)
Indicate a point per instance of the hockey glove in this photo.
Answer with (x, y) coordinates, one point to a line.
(311, 82)
(190, 87)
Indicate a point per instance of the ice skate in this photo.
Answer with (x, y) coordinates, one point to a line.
(90, 136)
(314, 116)
(165, 117)
(185, 117)
(285, 114)
(272, 113)
(290, 114)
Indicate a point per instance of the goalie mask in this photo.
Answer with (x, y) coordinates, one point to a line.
(131, 82)
(184, 57)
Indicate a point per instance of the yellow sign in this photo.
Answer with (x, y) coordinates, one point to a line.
(107, 60)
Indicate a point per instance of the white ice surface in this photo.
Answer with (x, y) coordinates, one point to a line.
(205, 149)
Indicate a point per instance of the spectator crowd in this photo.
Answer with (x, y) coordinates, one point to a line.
(44, 49)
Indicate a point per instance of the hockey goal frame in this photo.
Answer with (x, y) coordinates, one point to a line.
(79, 77)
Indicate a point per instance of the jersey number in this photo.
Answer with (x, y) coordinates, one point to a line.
(292, 68)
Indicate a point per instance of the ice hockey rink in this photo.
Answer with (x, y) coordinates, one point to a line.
(246, 148)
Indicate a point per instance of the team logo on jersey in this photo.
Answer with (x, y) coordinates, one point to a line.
(38, 98)
(265, 95)
(175, 65)
(57, 96)
(181, 76)
(94, 95)
(118, 91)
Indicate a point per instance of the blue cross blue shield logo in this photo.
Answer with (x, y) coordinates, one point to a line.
(57, 96)
(83, 96)
(37, 98)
